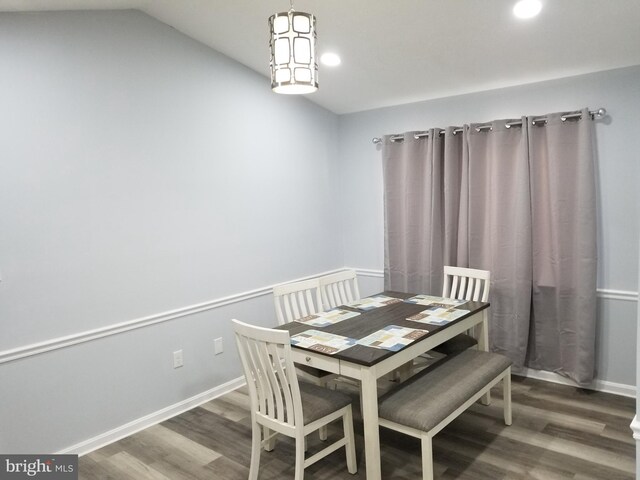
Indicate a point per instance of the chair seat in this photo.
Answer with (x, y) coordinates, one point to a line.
(431, 396)
(457, 344)
(318, 402)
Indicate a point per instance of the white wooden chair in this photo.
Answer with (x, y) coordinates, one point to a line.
(297, 300)
(279, 404)
(466, 284)
(461, 284)
(339, 289)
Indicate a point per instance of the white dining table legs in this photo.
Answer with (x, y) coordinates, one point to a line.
(482, 335)
(369, 408)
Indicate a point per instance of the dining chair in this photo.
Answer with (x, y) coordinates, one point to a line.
(297, 299)
(339, 288)
(464, 284)
(293, 301)
(282, 405)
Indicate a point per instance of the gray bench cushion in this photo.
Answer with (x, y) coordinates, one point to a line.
(431, 396)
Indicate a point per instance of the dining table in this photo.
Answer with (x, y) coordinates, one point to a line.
(367, 364)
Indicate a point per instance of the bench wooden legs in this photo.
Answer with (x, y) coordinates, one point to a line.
(482, 332)
(427, 456)
(506, 387)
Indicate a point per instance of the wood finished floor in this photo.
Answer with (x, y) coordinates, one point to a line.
(558, 432)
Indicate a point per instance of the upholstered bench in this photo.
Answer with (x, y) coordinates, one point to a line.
(430, 400)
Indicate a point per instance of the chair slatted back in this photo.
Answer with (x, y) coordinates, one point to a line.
(466, 283)
(296, 300)
(339, 288)
(271, 377)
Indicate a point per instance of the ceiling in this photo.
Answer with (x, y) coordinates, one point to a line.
(400, 51)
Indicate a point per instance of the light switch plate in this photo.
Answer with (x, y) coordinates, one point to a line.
(177, 359)
(217, 346)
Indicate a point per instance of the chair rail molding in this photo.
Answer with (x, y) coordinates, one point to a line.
(21, 352)
(609, 294)
(365, 272)
(624, 295)
(122, 327)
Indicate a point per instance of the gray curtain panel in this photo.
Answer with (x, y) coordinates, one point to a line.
(518, 201)
(422, 198)
(563, 204)
(499, 230)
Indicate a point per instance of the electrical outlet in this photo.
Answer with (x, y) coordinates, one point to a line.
(217, 346)
(177, 359)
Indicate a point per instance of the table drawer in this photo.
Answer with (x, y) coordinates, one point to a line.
(315, 360)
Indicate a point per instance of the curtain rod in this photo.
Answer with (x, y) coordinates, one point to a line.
(601, 112)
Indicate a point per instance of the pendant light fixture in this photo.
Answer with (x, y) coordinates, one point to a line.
(293, 52)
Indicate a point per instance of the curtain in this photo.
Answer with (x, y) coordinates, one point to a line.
(499, 223)
(563, 203)
(422, 202)
(517, 200)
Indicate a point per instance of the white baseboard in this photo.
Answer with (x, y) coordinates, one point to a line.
(598, 385)
(154, 418)
(147, 421)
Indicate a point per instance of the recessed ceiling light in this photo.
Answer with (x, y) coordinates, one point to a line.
(527, 8)
(330, 59)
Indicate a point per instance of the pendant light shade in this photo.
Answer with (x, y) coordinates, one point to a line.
(293, 52)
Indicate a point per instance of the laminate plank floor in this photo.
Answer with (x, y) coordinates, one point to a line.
(558, 432)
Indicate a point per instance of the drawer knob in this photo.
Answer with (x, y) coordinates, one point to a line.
(308, 359)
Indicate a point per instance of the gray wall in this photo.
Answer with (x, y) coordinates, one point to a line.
(618, 178)
(141, 172)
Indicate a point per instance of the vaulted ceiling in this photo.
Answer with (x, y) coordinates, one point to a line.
(399, 51)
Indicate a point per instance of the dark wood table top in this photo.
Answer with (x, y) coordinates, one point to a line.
(376, 319)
